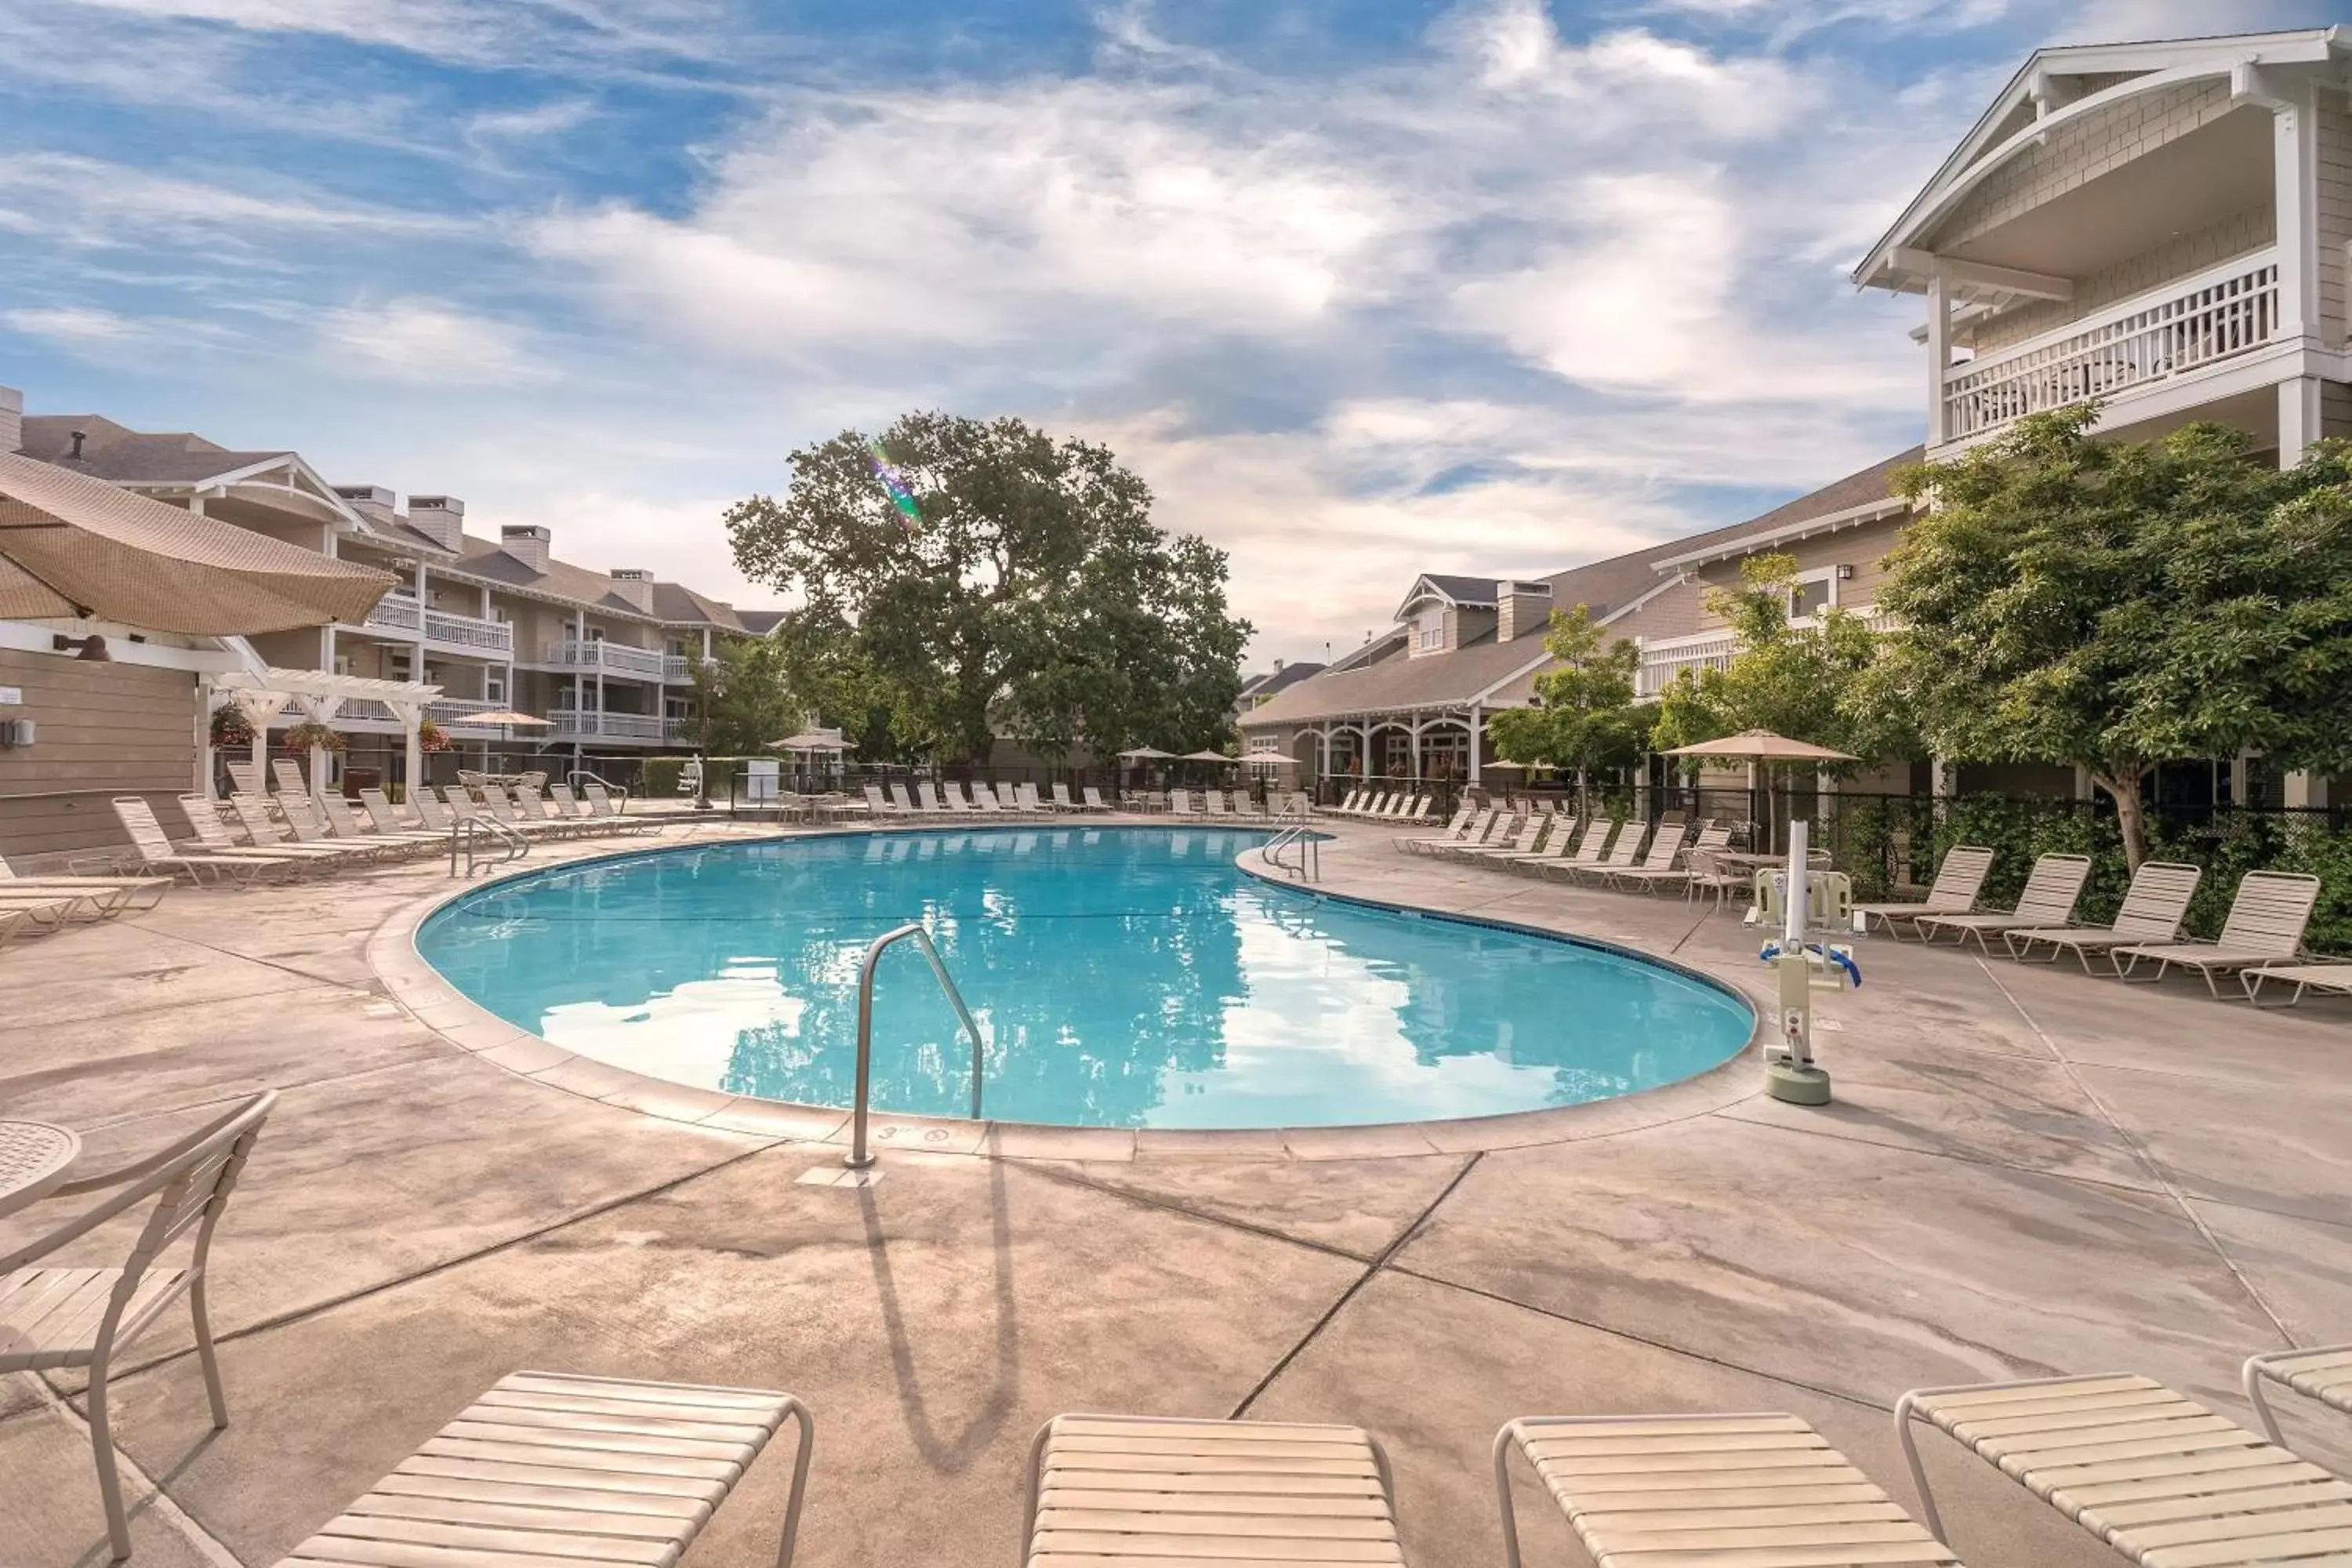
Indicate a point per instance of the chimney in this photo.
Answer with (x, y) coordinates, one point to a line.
(11, 420)
(526, 542)
(442, 519)
(635, 586)
(1521, 610)
(372, 502)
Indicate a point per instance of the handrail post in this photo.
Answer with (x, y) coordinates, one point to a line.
(859, 1157)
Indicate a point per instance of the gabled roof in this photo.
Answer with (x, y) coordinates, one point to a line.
(1490, 670)
(1281, 680)
(760, 623)
(678, 604)
(1469, 593)
(2033, 103)
(127, 457)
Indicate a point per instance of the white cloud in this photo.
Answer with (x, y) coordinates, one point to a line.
(490, 33)
(429, 342)
(87, 201)
(109, 338)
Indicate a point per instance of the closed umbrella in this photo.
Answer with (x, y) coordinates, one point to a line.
(71, 545)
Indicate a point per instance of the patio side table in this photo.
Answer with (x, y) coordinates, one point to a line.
(35, 1159)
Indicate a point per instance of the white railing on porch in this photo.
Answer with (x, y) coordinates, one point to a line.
(394, 612)
(451, 712)
(645, 664)
(469, 632)
(1662, 658)
(2214, 316)
(587, 723)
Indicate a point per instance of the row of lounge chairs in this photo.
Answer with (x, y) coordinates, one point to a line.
(560, 1468)
(252, 837)
(1402, 805)
(931, 799)
(2259, 945)
(1560, 846)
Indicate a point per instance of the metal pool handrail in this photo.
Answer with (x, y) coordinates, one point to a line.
(511, 845)
(1311, 844)
(858, 1159)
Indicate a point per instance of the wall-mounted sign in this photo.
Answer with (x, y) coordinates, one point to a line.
(11, 695)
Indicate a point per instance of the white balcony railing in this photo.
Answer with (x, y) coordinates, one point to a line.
(2214, 316)
(641, 663)
(450, 712)
(470, 633)
(1662, 658)
(587, 723)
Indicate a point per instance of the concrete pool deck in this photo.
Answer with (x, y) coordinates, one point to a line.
(2027, 1172)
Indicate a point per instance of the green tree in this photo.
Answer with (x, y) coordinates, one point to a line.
(742, 702)
(2110, 606)
(1794, 680)
(1585, 717)
(1035, 598)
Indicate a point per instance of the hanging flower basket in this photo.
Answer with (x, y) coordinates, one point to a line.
(431, 740)
(232, 726)
(309, 733)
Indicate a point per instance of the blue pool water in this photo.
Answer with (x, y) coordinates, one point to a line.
(1122, 977)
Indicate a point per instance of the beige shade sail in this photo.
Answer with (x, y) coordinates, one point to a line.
(1761, 746)
(71, 545)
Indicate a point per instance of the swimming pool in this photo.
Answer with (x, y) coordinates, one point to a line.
(1121, 976)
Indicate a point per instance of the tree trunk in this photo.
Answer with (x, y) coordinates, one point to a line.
(2129, 816)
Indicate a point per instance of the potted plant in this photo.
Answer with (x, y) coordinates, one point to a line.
(232, 726)
(309, 733)
(431, 740)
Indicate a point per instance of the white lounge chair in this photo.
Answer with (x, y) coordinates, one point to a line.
(940, 805)
(2268, 916)
(1624, 851)
(156, 851)
(54, 1318)
(2153, 908)
(1958, 882)
(1567, 832)
(2159, 1477)
(1658, 870)
(1214, 803)
(1095, 801)
(1180, 801)
(2333, 977)
(1347, 802)
(2323, 1373)
(554, 1468)
(288, 777)
(2051, 890)
(1062, 800)
(346, 824)
(1158, 1491)
(1465, 822)
(616, 818)
(1589, 848)
(1025, 798)
(1764, 1491)
(1657, 861)
(113, 895)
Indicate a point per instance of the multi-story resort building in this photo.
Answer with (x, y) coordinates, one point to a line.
(2165, 228)
(478, 625)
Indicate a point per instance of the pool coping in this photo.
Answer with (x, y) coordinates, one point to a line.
(460, 1022)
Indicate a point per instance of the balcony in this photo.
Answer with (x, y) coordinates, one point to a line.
(2149, 340)
(442, 630)
(588, 724)
(449, 712)
(1662, 658)
(614, 658)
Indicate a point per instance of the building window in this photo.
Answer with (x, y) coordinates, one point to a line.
(1814, 592)
(494, 685)
(1265, 745)
(1433, 638)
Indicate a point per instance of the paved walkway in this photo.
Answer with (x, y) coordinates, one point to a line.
(2027, 1172)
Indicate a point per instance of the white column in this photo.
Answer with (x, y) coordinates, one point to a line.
(1477, 740)
(2298, 418)
(1413, 739)
(2295, 169)
(411, 716)
(2083, 788)
(2303, 791)
(1939, 357)
(203, 781)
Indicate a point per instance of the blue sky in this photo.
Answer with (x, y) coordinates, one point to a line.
(1361, 288)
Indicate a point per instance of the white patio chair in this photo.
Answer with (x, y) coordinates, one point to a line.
(58, 1318)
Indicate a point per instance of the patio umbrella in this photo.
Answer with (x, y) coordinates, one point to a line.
(1146, 754)
(1762, 746)
(71, 545)
(1207, 757)
(810, 740)
(510, 721)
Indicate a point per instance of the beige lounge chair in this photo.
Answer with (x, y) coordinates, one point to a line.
(1094, 799)
(1465, 822)
(1508, 833)
(1180, 801)
(1159, 1491)
(288, 777)
(1658, 860)
(534, 808)
(2331, 975)
(552, 1468)
(1598, 834)
(1348, 803)
(1214, 801)
(345, 824)
(2153, 908)
(1652, 874)
(2159, 1477)
(1535, 833)
(1958, 882)
(597, 806)
(2051, 890)
(2323, 1373)
(251, 815)
(301, 819)
(247, 776)
(2268, 916)
(1625, 851)
(1566, 835)
(52, 1318)
(156, 852)
(126, 890)
(1707, 1491)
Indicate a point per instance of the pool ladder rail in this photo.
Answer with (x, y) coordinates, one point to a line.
(465, 835)
(1299, 833)
(859, 1157)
